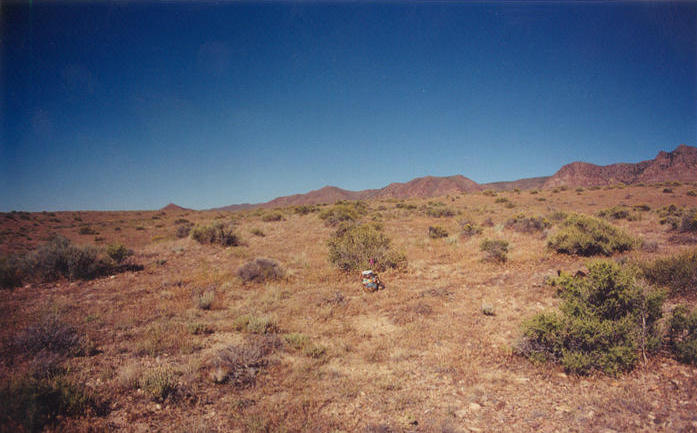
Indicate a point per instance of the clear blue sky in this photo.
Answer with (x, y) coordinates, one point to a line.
(130, 106)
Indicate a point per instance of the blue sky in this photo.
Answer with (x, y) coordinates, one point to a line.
(130, 106)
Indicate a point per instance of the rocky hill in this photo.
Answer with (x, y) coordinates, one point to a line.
(678, 165)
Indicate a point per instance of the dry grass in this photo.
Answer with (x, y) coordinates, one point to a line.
(421, 355)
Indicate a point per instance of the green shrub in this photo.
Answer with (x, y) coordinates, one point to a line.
(296, 340)
(216, 233)
(272, 216)
(437, 232)
(495, 250)
(682, 334)
(353, 247)
(606, 319)
(255, 324)
(670, 215)
(525, 224)
(35, 403)
(260, 270)
(678, 273)
(304, 210)
(587, 236)
(315, 351)
(118, 252)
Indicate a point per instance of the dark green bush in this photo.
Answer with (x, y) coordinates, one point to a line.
(682, 334)
(678, 273)
(606, 320)
(495, 250)
(525, 224)
(587, 236)
(353, 247)
(216, 233)
(437, 232)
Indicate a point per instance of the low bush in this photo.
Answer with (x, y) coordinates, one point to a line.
(10, 272)
(260, 270)
(60, 258)
(118, 252)
(682, 335)
(437, 232)
(587, 236)
(468, 227)
(183, 230)
(688, 223)
(439, 212)
(606, 319)
(364, 246)
(255, 324)
(50, 334)
(240, 364)
(495, 250)
(30, 404)
(304, 210)
(216, 233)
(618, 213)
(296, 340)
(204, 300)
(87, 230)
(257, 232)
(158, 382)
(525, 224)
(670, 215)
(338, 214)
(678, 273)
(272, 216)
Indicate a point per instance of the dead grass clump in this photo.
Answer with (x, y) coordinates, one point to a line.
(216, 233)
(204, 300)
(678, 273)
(240, 364)
(495, 249)
(260, 270)
(525, 224)
(256, 324)
(587, 236)
(363, 246)
(158, 382)
(437, 232)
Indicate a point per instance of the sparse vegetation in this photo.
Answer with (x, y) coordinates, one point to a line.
(524, 224)
(586, 236)
(216, 233)
(468, 227)
(437, 232)
(607, 318)
(618, 213)
(272, 216)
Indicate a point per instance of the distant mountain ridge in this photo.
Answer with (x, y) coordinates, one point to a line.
(678, 165)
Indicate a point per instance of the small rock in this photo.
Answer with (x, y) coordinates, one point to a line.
(158, 406)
